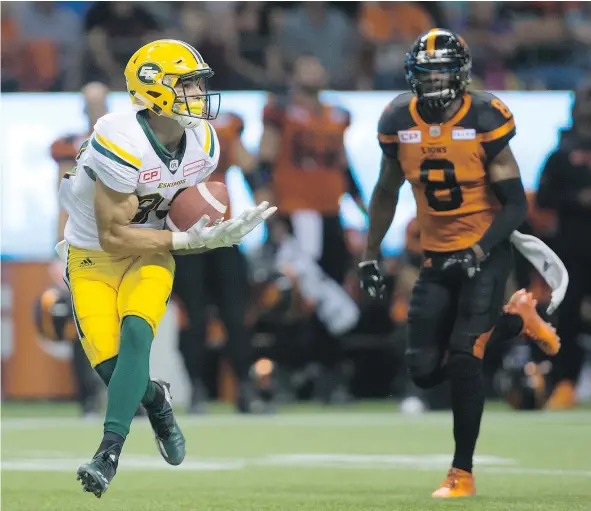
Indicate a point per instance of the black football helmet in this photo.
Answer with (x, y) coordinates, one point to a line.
(438, 67)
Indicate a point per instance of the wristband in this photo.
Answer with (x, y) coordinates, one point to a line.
(371, 262)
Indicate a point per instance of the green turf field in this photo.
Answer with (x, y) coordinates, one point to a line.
(363, 458)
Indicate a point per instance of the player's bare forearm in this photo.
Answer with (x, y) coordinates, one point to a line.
(114, 211)
(381, 213)
(383, 205)
(129, 241)
(506, 183)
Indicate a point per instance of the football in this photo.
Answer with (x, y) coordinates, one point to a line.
(192, 203)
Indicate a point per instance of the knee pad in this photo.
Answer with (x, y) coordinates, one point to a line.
(463, 365)
(424, 367)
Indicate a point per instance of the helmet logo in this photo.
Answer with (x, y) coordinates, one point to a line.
(147, 73)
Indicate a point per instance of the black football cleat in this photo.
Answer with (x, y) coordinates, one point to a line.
(169, 437)
(98, 474)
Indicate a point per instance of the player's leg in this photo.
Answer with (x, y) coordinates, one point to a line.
(480, 304)
(141, 292)
(430, 322)
(93, 278)
(189, 288)
(230, 291)
(142, 299)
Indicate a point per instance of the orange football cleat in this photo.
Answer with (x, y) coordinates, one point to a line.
(541, 332)
(458, 483)
(564, 396)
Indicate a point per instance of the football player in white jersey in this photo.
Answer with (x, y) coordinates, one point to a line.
(119, 265)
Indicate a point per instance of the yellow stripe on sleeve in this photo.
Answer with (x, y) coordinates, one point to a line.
(124, 155)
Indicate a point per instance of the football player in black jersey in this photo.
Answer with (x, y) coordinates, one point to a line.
(452, 146)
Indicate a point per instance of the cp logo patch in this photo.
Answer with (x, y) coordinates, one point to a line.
(147, 73)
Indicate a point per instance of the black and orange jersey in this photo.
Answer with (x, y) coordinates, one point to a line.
(66, 148)
(229, 128)
(446, 165)
(310, 170)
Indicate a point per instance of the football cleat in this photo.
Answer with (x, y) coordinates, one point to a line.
(98, 474)
(542, 333)
(458, 483)
(169, 437)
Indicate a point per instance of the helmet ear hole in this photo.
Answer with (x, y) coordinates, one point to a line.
(154, 94)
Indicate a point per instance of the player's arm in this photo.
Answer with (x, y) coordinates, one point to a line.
(114, 212)
(382, 205)
(497, 127)
(384, 200)
(505, 179)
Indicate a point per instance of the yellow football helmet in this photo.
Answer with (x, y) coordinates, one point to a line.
(170, 77)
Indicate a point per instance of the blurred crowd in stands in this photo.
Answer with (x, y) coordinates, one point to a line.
(59, 46)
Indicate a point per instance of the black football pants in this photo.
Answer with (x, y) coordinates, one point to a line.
(451, 312)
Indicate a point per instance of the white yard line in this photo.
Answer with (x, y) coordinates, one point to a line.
(434, 462)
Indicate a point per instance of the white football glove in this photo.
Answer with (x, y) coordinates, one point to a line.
(224, 234)
(249, 219)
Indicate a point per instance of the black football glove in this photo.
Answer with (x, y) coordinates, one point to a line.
(371, 279)
(462, 261)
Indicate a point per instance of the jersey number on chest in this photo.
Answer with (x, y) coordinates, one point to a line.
(430, 170)
(150, 203)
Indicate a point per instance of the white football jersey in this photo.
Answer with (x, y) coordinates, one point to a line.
(125, 155)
